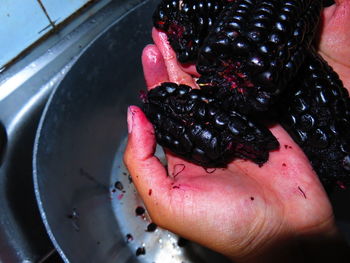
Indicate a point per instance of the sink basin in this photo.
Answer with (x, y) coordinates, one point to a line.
(86, 199)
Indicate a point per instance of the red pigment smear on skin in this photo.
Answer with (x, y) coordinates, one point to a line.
(150, 192)
(178, 168)
(301, 191)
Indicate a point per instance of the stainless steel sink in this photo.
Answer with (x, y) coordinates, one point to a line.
(24, 89)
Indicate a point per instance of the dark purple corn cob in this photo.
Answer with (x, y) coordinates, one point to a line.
(256, 47)
(188, 123)
(317, 117)
(187, 23)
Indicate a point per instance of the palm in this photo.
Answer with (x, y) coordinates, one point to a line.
(334, 41)
(242, 202)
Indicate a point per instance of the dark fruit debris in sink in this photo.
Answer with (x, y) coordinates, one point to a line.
(129, 238)
(182, 242)
(151, 227)
(140, 251)
(118, 185)
(139, 211)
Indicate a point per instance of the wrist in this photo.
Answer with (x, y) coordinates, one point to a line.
(323, 243)
(328, 245)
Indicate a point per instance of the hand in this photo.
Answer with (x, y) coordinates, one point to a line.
(334, 39)
(243, 211)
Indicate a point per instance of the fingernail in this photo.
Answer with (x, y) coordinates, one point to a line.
(130, 119)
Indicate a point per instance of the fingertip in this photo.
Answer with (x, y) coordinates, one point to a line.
(138, 125)
(174, 68)
(161, 41)
(154, 68)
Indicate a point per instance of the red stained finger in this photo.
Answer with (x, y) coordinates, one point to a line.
(146, 170)
(175, 72)
(154, 69)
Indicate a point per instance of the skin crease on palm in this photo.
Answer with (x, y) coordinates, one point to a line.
(242, 209)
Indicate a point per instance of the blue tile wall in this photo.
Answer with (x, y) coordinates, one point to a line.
(22, 22)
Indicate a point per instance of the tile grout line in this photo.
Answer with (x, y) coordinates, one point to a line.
(47, 14)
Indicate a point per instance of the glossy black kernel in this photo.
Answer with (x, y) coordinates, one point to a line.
(186, 23)
(262, 49)
(322, 130)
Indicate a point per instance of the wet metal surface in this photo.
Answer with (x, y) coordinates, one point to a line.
(3, 139)
(24, 90)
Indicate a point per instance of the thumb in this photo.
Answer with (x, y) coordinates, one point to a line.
(148, 174)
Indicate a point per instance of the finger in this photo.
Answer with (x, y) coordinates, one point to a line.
(154, 68)
(190, 69)
(175, 73)
(148, 174)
